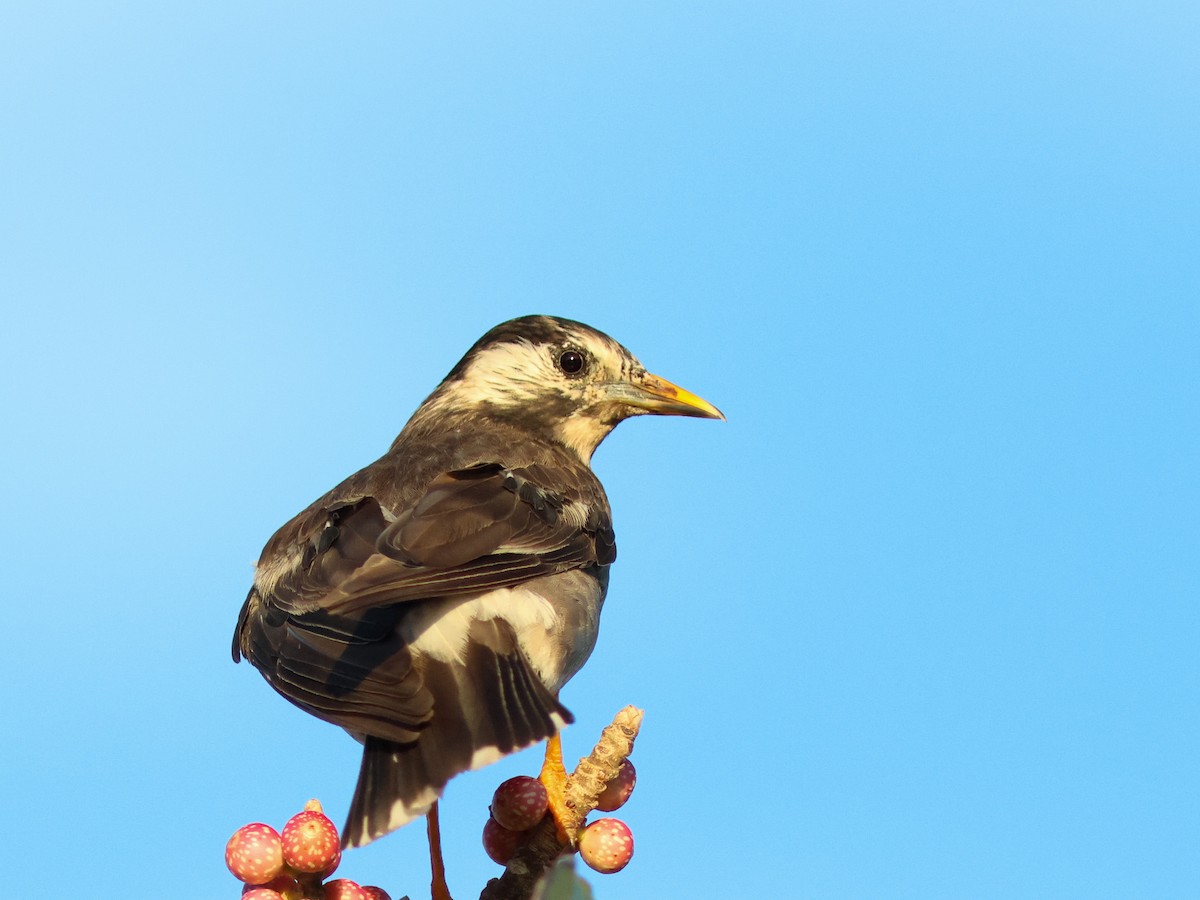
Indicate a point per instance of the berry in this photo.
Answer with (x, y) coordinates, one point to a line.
(343, 889)
(283, 883)
(254, 854)
(332, 867)
(376, 893)
(311, 843)
(619, 789)
(261, 893)
(501, 843)
(519, 803)
(606, 845)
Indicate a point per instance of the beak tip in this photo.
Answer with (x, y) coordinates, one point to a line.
(707, 411)
(670, 399)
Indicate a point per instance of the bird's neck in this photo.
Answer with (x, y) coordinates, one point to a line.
(512, 437)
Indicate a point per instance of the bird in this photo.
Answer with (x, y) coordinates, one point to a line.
(434, 603)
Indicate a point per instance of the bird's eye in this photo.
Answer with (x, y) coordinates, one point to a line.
(571, 362)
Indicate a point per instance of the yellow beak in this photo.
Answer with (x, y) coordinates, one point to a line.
(660, 397)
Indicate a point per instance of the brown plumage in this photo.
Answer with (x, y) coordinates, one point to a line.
(434, 603)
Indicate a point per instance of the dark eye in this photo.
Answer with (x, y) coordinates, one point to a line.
(571, 362)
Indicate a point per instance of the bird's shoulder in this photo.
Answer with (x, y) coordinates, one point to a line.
(424, 520)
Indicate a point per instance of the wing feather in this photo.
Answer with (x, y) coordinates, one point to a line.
(472, 530)
(323, 622)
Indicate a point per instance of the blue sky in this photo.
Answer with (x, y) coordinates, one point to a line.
(920, 620)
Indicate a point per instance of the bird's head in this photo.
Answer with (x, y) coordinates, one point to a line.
(557, 379)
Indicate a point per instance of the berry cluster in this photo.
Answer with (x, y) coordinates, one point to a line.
(293, 865)
(521, 802)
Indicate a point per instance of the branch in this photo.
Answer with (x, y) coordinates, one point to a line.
(584, 788)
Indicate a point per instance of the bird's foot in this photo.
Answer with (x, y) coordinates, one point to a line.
(438, 889)
(554, 778)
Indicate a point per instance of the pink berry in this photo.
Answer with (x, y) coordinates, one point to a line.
(254, 854)
(261, 893)
(606, 845)
(343, 889)
(332, 867)
(618, 789)
(501, 843)
(520, 803)
(283, 883)
(311, 843)
(376, 893)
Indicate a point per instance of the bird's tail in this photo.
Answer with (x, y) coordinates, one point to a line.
(492, 706)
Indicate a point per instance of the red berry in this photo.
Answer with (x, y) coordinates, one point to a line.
(254, 853)
(606, 845)
(283, 883)
(261, 893)
(619, 789)
(501, 843)
(311, 843)
(520, 803)
(343, 889)
(332, 867)
(376, 893)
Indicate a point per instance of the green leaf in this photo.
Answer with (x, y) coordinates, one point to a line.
(561, 883)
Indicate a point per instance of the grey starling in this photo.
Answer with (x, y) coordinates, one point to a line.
(434, 603)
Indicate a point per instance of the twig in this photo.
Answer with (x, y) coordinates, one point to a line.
(584, 787)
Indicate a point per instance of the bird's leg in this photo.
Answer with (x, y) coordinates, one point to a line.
(554, 778)
(439, 890)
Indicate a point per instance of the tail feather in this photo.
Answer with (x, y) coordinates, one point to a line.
(488, 707)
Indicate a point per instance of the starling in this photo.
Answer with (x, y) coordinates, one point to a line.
(434, 603)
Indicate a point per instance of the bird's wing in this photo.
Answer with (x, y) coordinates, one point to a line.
(472, 530)
(323, 620)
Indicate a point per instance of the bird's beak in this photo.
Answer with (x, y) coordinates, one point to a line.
(657, 395)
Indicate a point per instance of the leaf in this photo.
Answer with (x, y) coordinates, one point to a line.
(561, 883)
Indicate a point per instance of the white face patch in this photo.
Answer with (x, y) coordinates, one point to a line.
(517, 376)
(583, 434)
(515, 373)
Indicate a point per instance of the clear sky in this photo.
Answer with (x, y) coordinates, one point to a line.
(920, 620)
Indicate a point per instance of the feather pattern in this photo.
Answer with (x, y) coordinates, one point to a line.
(435, 602)
(437, 625)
